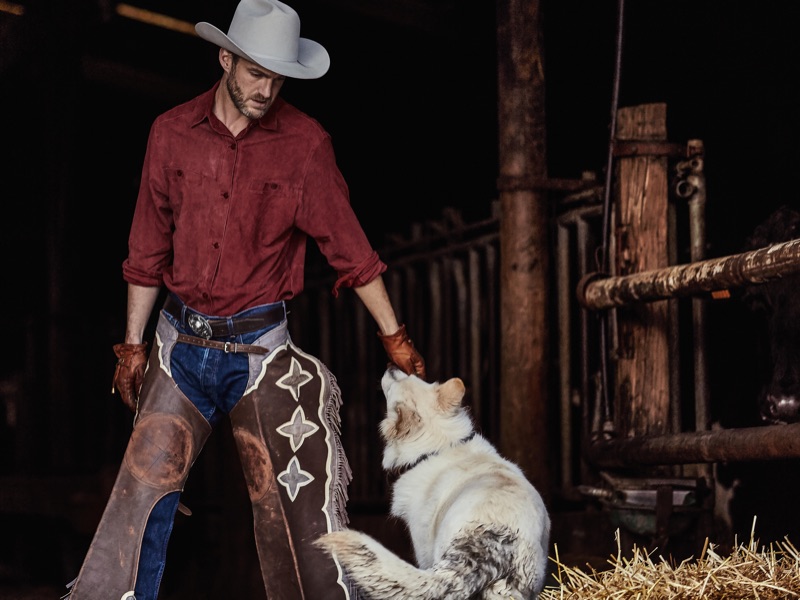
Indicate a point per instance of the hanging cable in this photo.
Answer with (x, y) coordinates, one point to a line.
(604, 265)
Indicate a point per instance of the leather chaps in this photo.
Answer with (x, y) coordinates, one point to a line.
(287, 433)
(166, 439)
(286, 428)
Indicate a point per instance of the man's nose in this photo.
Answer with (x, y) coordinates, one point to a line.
(266, 88)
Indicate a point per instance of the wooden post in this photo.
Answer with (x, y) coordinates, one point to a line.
(642, 369)
(524, 249)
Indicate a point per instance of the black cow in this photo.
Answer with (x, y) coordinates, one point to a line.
(777, 305)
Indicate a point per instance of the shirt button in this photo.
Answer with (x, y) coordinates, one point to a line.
(205, 296)
(225, 195)
(233, 146)
(216, 245)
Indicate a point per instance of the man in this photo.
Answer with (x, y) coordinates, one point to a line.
(233, 182)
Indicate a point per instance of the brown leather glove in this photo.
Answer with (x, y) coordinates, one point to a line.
(131, 360)
(401, 352)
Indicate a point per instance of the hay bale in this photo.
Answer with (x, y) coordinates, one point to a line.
(763, 573)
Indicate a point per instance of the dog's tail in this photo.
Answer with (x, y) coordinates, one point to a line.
(470, 565)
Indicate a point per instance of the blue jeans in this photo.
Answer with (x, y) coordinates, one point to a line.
(214, 381)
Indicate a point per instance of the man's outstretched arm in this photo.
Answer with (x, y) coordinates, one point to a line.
(398, 345)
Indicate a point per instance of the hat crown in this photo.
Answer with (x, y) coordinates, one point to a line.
(267, 32)
(266, 28)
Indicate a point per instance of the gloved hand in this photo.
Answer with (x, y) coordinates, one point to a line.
(131, 361)
(401, 352)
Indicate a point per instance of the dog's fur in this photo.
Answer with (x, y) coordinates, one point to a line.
(478, 527)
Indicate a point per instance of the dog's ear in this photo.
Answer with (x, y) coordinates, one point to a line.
(450, 394)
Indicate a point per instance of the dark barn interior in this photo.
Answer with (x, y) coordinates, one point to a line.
(412, 102)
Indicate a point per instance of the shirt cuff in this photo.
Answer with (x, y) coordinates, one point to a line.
(365, 272)
(139, 277)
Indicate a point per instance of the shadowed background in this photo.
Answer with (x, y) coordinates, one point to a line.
(411, 103)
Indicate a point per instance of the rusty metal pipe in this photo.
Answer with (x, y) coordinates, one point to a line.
(697, 222)
(597, 292)
(564, 352)
(742, 444)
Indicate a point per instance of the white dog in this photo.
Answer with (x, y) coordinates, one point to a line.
(478, 527)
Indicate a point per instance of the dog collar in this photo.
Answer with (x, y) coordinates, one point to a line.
(393, 474)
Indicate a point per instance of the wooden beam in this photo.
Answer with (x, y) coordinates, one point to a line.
(642, 366)
(524, 247)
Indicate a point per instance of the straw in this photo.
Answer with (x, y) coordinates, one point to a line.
(762, 573)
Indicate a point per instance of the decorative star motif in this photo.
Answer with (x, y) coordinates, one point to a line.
(293, 478)
(298, 428)
(294, 379)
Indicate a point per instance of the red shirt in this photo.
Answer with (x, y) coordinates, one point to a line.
(223, 221)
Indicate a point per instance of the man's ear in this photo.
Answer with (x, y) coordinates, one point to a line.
(225, 59)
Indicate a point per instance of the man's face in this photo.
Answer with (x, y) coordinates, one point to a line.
(252, 88)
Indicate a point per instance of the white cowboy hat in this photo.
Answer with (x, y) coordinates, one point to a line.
(267, 32)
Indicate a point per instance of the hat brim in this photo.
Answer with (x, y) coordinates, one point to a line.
(312, 62)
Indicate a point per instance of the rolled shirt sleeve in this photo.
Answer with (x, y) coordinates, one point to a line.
(327, 215)
(150, 239)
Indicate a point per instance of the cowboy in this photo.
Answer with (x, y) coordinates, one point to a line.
(232, 184)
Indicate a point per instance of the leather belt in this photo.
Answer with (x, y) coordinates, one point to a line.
(232, 347)
(207, 328)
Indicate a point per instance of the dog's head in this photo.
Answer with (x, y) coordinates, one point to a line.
(421, 417)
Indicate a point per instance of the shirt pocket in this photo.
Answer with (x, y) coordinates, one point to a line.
(272, 189)
(272, 204)
(191, 193)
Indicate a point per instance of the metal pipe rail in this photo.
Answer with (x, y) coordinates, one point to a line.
(596, 291)
(742, 444)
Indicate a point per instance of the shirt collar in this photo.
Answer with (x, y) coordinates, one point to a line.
(270, 120)
(205, 104)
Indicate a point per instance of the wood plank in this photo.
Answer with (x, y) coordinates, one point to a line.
(642, 367)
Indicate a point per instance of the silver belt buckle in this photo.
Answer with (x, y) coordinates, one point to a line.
(199, 325)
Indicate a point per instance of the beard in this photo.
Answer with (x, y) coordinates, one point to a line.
(240, 102)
